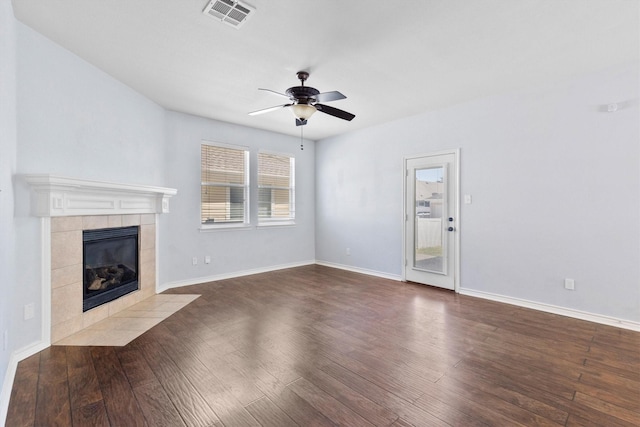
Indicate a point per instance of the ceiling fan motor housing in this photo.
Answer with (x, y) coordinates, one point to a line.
(302, 94)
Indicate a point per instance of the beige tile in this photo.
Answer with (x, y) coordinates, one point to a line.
(147, 276)
(147, 255)
(141, 324)
(122, 303)
(141, 313)
(66, 223)
(147, 305)
(66, 249)
(148, 219)
(117, 338)
(147, 236)
(95, 222)
(128, 220)
(146, 293)
(109, 324)
(124, 326)
(66, 328)
(114, 221)
(171, 307)
(66, 275)
(84, 337)
(66, 303)
(95, 315)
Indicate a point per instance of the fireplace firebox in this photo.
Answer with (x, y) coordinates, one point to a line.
(110, 258)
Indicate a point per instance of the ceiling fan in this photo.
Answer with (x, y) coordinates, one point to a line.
(306, 100)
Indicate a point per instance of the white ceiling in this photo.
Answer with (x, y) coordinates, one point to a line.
(390, 58)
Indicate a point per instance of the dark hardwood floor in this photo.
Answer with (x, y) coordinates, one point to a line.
(315, 346)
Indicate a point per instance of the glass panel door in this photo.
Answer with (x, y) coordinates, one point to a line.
(429, 242)
(431, 220)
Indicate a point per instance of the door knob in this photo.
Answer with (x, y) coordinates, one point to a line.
(450, 228)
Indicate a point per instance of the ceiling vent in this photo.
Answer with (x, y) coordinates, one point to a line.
(232, 12)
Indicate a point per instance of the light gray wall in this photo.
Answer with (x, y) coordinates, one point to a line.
(232, 251)
(8, 147)
(555, 185)
(72, 120)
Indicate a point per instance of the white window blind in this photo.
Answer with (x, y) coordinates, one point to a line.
(225, 185)
(276, 189)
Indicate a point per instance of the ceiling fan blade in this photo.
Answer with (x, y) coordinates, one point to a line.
(274, 92)
(329, 96)
(341, 114)
(267, 110)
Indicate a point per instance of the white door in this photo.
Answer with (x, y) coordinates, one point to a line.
(431, 209)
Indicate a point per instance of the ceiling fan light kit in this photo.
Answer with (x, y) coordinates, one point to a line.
(303, 111)
(305, 101)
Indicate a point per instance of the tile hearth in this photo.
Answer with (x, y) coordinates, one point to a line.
(128, 324)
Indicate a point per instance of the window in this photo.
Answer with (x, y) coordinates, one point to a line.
(224, 185)
(276, 189)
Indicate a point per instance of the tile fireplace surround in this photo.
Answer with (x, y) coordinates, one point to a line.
(67, 270)
(68, 206)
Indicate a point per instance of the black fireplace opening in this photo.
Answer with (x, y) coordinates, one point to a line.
(110, 257)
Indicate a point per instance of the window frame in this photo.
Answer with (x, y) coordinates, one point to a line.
(290, 220)
(246, 221)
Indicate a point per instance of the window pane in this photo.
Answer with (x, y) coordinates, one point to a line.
(275, 187)
(428, 219)
(223, 165)
(224, 186)
(264, 202)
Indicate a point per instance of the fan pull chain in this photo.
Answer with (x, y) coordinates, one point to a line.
(301, 138)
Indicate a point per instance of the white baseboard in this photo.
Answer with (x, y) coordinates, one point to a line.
(200, 280)
(548, 308)
(10, 375)
(361, 270)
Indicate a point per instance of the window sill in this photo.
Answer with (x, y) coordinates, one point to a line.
(224, 227)
(290, 223)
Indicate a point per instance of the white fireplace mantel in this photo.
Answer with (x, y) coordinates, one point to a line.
(55, 196)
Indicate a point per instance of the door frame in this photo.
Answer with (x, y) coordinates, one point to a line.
(458, 222)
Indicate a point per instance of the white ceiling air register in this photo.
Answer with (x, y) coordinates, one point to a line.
(231, 12)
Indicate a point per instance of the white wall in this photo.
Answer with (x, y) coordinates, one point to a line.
(232, 251)
(555, 185)
(8, 147)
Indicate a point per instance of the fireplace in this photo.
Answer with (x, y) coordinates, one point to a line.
(70, 206)
(110, 258)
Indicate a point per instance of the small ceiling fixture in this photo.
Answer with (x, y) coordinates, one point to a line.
(305, 100)
(231, 12)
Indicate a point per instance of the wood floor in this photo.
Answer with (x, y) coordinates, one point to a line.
(315, 346)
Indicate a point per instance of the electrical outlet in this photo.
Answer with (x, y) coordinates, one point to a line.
(569, 284)
(29, 311)
(194, 260)
(207, 259)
